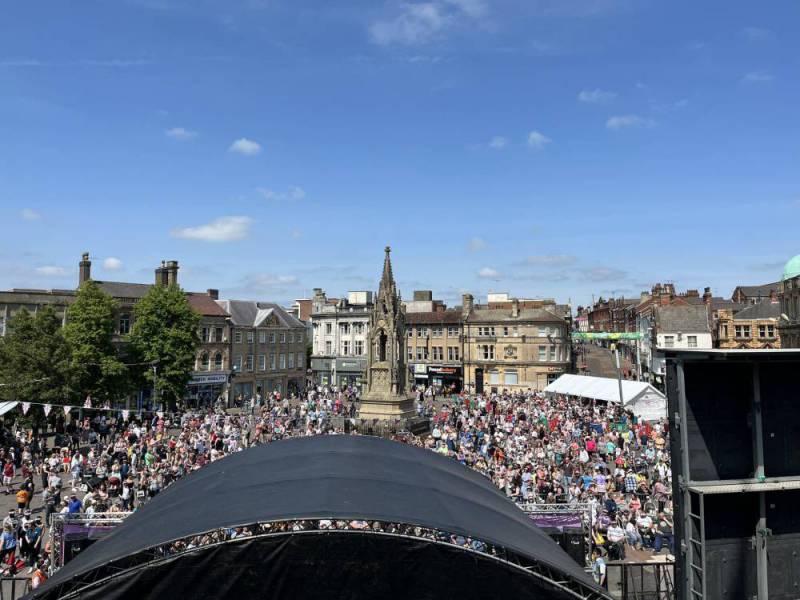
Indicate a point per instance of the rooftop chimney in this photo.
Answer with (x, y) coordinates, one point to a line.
(515, 308)
(467, 302)
(84, 269)
(161, 274)
(707, 295)
(171, 269)
(212, 293)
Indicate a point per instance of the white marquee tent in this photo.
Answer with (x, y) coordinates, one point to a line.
(643, 399)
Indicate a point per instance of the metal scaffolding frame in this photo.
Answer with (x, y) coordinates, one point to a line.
(156, 555)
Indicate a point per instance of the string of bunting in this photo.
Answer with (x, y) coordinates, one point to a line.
(87, 405)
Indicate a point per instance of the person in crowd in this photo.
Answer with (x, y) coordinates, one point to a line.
(536, 449)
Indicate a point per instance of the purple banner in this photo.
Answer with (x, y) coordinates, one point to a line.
(557, 521)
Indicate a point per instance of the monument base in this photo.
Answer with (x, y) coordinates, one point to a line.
(387, 408)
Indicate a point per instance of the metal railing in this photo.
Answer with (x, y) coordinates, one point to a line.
(58, 523)
(13, 588)
(641, 581)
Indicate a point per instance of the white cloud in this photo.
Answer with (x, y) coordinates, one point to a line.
(293, 192)
(296, 192)
(112, 264)
(623, 121)
(50, 271)
(179, 133)
(755, 34)
(488, 273)
(265, 282)
(245, 147)
(756, 77)
(498, 142)
(224, 229)
(472, 8)
(696, 45)
(416, 24)
(477, 244)
(29, 214)
(551, 260)
(423, 22)
(596, 96)
(537, 141)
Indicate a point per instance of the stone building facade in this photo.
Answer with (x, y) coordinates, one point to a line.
(789, 328)
(267, 349)
(127, 296)
(212, 367)
(514, 348)
(340, 338)
(435, 346)
(754, 327)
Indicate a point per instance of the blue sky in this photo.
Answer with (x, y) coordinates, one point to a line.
(557, 148)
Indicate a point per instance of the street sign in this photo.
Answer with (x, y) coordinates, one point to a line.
(605, 335)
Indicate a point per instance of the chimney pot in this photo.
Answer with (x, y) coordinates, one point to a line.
(84, 269)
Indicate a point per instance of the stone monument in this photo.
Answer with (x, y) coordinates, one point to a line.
(387, 396)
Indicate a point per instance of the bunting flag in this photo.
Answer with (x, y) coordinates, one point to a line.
(67, 408)
(125, 414)
(47, 408)
(88, 403)
(26, 406)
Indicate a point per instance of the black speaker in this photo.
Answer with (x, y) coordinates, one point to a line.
(572, 541)
(734, 431)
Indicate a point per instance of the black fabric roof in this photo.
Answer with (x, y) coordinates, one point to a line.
(337, 476)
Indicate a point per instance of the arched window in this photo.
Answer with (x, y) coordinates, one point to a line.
(204, 362)
(382, 346)
(218, 361)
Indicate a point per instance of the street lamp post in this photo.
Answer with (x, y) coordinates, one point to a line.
(155, 375)
(619, 377)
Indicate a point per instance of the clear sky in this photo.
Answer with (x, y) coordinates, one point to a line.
(556, 148)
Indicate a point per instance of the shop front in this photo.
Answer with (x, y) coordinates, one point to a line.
(205, 387)
(445, 377)
(323, 369)
(350, 372)
(419, 372)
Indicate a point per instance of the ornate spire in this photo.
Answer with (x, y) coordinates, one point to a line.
(387, 279)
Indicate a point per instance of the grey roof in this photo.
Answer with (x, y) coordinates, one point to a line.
(248, 313)
(724, 303)
(674, 319)
(763, 290)
(762, 310)
(119, 289)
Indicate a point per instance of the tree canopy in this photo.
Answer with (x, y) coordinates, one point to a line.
(95, 366)
(35, 358)
(165, 333)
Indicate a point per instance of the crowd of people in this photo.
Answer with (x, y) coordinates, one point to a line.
(553, 450)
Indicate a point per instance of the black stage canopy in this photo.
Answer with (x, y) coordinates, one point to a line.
(326, 477)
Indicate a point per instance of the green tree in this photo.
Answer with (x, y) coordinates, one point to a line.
(96, 367)
(35, 359)
(164, 333)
